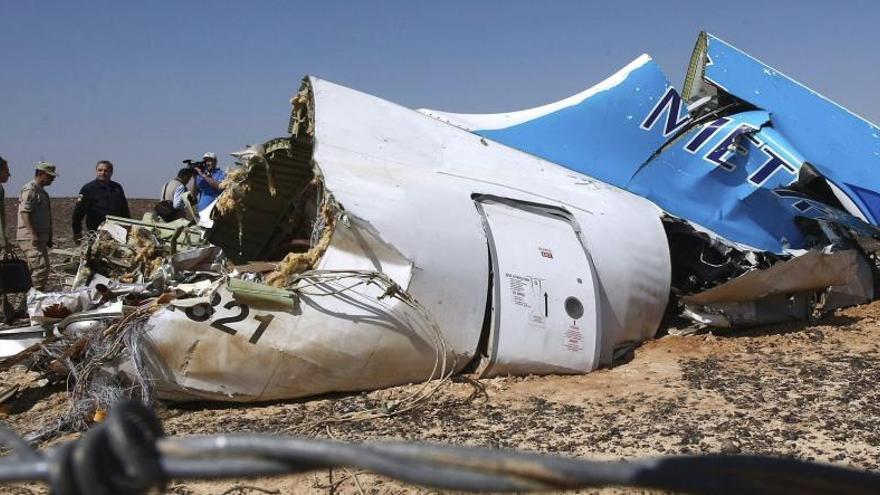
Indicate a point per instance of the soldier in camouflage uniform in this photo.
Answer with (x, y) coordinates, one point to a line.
(35, 223)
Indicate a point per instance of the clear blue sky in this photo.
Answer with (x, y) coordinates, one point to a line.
(147, 84)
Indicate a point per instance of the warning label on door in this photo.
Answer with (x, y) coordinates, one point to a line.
(528, 292)
(574, 339)
(520, 289)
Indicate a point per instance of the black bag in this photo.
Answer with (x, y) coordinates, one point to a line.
(165, 210)
(14, 275)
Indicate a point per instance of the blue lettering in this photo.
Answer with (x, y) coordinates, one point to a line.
(706, 134)
(801, 205)
(728, 146)
(773, 164)
(671, 105)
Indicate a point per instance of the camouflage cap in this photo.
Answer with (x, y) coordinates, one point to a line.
(47, 167)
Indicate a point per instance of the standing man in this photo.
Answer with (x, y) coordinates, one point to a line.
(4, 177)
(97, 199)
(208, 181)
(9, 312)
(35, 223)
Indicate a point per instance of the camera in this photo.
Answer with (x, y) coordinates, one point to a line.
(195, 165)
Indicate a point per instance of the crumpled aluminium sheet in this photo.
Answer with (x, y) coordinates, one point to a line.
(844, 147)
(730, 171)
(812, 271)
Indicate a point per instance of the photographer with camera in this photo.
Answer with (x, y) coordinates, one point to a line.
(208, 179)
(176, 199)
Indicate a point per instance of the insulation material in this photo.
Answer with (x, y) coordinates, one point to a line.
(295, 263)
(140, 257)
(234, 189)
(275, 175)
(344, 327)
(302, 118)
(145, 249)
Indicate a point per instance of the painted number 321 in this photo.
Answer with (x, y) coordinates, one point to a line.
(204, 312)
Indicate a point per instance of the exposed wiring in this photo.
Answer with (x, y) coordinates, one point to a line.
(320, 283)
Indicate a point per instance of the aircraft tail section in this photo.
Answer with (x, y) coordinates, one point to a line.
(606, 131)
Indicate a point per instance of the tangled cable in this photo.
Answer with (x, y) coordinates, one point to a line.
(126, 454)
(118, 456)
(320, 283)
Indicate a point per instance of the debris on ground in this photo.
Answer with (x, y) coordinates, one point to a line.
(375, 246)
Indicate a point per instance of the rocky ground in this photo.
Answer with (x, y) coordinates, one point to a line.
(804, 390)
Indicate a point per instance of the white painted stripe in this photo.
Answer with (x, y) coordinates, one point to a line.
(492, 121)
(848, 204)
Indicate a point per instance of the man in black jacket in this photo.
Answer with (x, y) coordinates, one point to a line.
(97, 199)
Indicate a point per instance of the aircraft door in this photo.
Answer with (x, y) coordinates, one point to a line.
(545, 312)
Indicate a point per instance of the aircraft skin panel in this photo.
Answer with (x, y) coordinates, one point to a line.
(844, 147)
(493, 121)
(736, 169)
(729, 173)
(546, 307)
(406, 184)
(412, 178)
(733, 176)
(867, 197)
(608, 134)
(550, 240)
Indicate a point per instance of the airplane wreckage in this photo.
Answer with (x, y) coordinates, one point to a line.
(377, 245)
